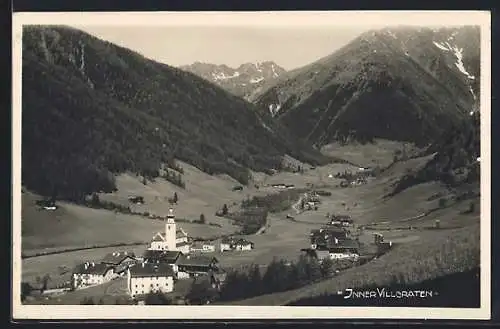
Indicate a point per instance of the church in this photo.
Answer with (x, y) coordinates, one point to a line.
(173, 238)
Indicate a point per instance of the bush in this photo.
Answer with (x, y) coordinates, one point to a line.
(157, 298)
(87, 301)
(26, 290)
(443, 202)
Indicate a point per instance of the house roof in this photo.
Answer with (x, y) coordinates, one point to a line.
(92, 268)
(148, 269)
(322, 253)
(346, 244)
(116, 258)
(162, 255)
(341, 217)
(200, 244)
(195, 260)
(160, 236)
(243, 242)
(183, 243)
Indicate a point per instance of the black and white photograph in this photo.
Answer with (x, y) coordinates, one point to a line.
(251, 165)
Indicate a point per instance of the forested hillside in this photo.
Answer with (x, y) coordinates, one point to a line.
(92, 109)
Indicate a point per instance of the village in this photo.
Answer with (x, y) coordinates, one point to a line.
(173, 256)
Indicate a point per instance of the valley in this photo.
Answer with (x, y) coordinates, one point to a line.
(145, 183)
(283, 239)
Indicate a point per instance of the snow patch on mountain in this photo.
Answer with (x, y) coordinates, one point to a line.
(458, 52)
(222, 76)
(440, 46)
(459, 64)
(256, 80)
(274, 71)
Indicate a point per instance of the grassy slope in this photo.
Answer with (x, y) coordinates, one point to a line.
(72, 226)
(438, 254)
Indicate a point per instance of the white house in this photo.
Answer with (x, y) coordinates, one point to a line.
(202, 247)
(348, 249)
(173, 239)
(235, 244)
(91, 274)
(147, 277)
(226, 244)
(243, 244)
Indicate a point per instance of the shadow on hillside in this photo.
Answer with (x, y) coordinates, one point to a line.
(456, 290)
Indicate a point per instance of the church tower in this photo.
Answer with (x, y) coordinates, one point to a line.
(170, 231)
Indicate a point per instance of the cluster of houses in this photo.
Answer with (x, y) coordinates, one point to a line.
(111, 266)
(310, 201)
(358, 178)
(232, 243)
(334, 240)
(171, 256)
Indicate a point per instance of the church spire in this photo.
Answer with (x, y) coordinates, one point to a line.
(171, 216)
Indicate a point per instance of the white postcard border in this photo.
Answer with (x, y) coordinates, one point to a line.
(267, 20)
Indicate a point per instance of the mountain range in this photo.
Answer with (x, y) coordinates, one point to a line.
(92, 109)
(243, 81)
(407, 83)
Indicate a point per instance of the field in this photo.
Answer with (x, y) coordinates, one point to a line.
(74, 226)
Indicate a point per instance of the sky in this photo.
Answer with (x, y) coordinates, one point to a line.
(289, 47)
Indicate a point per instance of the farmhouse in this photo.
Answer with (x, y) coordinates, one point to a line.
(347, 249)
(120, 261)
(47, 204)
(189, 266)
(226, 244)
(90, 274)
(325, 237)
(382, 246)
(236, 244)
(172, 239)
(145, 277)
(202, 247)
(340, 220)
(243, 244)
